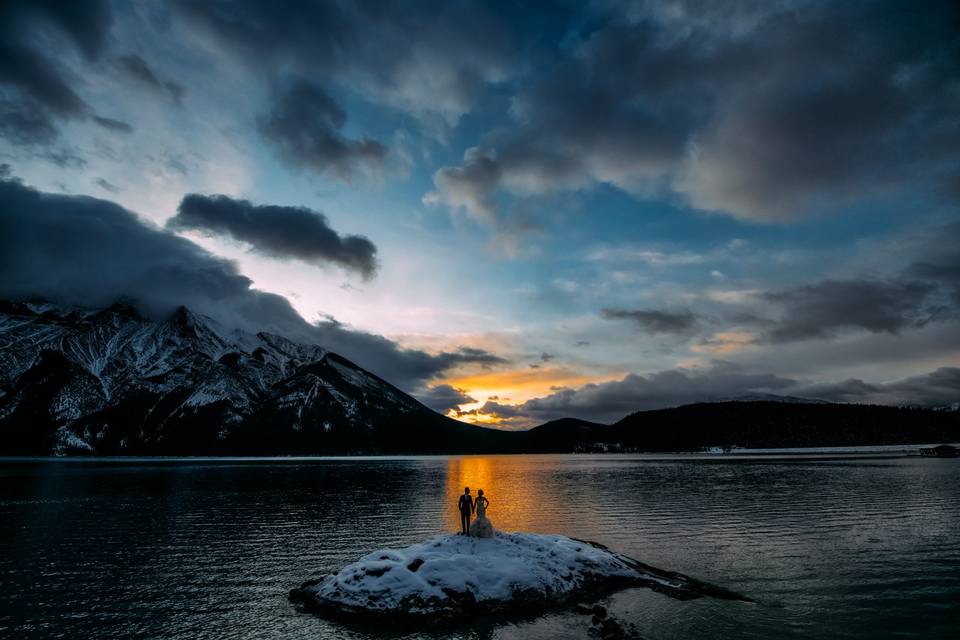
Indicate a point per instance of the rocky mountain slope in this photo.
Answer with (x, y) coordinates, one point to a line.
(111, 381)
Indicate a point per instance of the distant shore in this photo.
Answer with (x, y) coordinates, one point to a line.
(878, 451)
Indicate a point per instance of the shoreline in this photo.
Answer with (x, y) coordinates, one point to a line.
(867, 451)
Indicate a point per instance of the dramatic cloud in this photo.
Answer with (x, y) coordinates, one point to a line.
(444, 397)
(936, 389)
(940, 261)
(470, 355)
(426, 59)
(655, 320)
(788, 110)
(25, 123)
(34, 88)
(470, 187)
(40, 79)
(85, 22)
(110, 124)
(279, 232)
(138, 69)
(86, 251)
(305, 124)
(819, 310)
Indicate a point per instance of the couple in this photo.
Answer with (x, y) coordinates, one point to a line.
(482, 527)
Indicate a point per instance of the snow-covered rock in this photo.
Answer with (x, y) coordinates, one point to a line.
(451, 576)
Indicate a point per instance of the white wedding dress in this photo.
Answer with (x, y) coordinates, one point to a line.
(481, 527)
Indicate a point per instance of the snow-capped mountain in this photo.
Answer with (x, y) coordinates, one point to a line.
(111, 381)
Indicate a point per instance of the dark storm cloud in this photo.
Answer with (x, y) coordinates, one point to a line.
(507, 415)
(279, 232)
(40, 78)
(22, 64)
(35, 89)
(940, 260)
(304, 124)
(656, 320)
(25, 123)
(470, 355)
(113, 125)
(821, 309)
(85, 22)
(87, 251)
(427, 59)
(443, 397)
(936, 389)
(784, 111)
(922, 287)
(138, 69)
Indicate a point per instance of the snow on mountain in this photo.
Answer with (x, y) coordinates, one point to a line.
(112, 381)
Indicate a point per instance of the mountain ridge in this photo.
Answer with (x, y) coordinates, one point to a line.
(111, 381)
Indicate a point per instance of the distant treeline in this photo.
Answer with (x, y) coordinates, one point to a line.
(754, 424)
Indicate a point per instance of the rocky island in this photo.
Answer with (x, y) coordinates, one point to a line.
(451, 577)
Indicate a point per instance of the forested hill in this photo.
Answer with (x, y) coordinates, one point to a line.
(754, 424)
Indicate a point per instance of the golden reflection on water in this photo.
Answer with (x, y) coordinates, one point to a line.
(521, 497)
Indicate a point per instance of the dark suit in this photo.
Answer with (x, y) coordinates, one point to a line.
(466, 508)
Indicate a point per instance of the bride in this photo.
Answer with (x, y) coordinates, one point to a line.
(481, 527)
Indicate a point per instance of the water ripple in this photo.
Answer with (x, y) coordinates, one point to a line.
(208, 549)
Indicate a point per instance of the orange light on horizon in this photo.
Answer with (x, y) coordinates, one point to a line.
(512, 388)
(519, 385)
(475, 418)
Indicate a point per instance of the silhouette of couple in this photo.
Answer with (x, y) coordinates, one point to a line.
(482, 527)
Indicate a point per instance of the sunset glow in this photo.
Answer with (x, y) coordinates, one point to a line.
(513, 214)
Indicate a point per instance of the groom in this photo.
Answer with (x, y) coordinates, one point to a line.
(466, 508)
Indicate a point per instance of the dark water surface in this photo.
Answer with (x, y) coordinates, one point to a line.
(843, 548)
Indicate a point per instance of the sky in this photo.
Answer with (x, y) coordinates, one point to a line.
(514, 211)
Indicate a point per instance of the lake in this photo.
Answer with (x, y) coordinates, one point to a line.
(844, 547)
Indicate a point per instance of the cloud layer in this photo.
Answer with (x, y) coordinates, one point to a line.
(444, 397)
(304, 124)
(656, 320)
(424, 59)
(607, 402)
(35, 88)
(790, 109)
(819, 310)
(89, 252)
(138, 69)
(279, 232)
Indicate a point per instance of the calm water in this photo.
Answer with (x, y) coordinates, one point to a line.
(862, 548)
